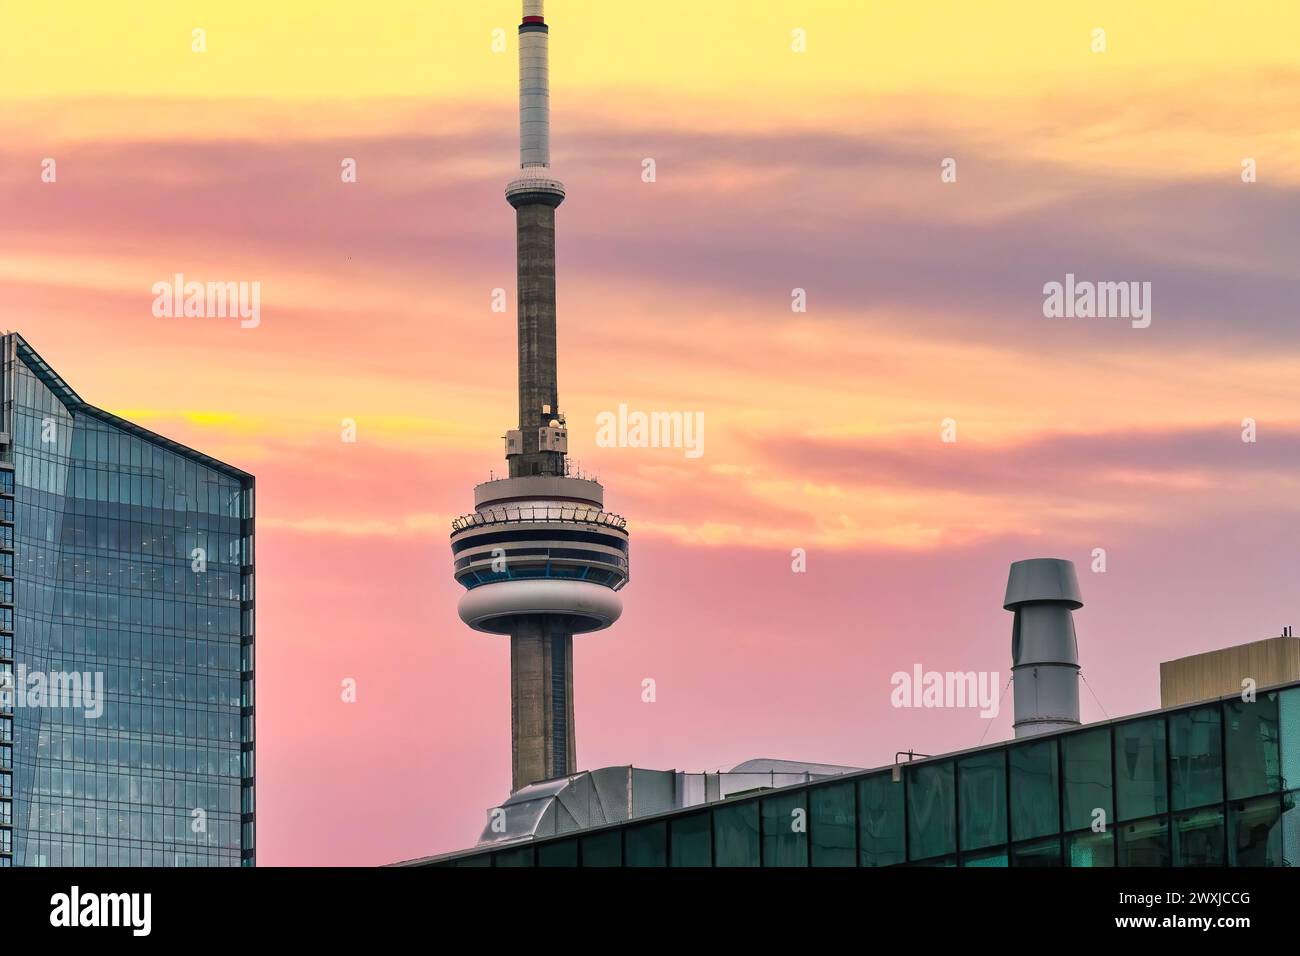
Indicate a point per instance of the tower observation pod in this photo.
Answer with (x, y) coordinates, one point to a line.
(540, 558)
(1043, 593)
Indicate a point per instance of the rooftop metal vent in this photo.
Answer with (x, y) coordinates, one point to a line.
(1043, 593)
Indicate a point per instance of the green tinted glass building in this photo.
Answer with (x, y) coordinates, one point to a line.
(1211, 784)
(126, 581)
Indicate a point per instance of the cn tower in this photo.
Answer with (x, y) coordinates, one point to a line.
(540, 558)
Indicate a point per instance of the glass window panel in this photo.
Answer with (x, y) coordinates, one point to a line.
(1085, 774)
(931, 821)
(559, 853)
(1089, 849)
(985, 858)
(830, 812)
(1255, 832)
(1140, 787)
(735, 834)
(880, 821)
(690, 841)
(785, 830)
(1196, 757)
(1039, 853)
(1291, 828)
(603, 849)
(1143, 842)
(1253, 758)
(1289, 721)
(1198, 838)
(982, 783)
(646, 845)
(520, 857)
(1035, 789)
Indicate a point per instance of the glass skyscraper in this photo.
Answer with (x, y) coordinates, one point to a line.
(126, 638)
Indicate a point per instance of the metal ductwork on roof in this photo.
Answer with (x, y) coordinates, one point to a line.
(1044, 593)
(593, 798)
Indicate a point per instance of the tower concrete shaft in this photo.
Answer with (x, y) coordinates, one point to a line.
(538, 390)
(541, 701)
(540, 446)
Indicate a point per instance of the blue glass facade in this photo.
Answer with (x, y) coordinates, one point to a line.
(126, 567)
(1215, 784)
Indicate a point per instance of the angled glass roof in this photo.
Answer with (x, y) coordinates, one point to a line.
(77, 405)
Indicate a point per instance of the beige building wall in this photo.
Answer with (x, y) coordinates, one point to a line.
(1220, 673)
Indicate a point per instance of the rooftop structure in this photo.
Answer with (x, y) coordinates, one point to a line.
(1044, 593)
(1275, 660)
(1210, 784)
(1200, 784)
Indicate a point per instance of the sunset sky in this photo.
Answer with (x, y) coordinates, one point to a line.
(776, 170)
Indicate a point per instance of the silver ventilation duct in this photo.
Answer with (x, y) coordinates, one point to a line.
(1043, 593)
